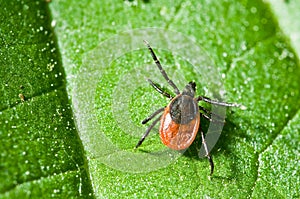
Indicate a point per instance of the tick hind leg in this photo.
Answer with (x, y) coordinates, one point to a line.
(215, 102)
(153, 115)
(207, 115)
(207, 153)
(151, 126)
(147, 132)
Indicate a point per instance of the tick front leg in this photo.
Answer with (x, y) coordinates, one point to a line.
(163, 72)
(207, 153)
(158, 89)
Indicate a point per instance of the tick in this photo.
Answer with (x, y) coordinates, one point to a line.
(180, 119)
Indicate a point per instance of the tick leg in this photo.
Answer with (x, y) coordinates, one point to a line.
(207, 153)
(158, 89)
(147, 132)
(163, 72)
(208, 100)
(152, 115)
(207, 115)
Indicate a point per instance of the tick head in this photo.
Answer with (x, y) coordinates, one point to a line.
(189, 89)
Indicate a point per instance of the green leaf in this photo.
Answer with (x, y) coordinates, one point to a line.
(286, 12)
(252, 61)
(257, 153)
(40, 153)
(260, 71)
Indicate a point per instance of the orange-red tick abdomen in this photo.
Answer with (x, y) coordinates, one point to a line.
(179, 133)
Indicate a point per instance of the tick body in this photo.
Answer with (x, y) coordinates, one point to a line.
(180, 122)
(180, 119)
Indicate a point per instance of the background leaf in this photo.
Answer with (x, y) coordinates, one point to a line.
(40, 153)
(286, 12)
(257, 154)
(260, 71)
